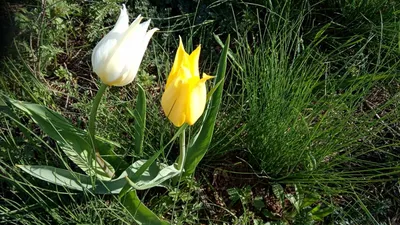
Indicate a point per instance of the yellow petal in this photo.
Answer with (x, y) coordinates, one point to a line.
(175, 99)
(193, 61)
(206, 77)
(197, 98)
(180, 57)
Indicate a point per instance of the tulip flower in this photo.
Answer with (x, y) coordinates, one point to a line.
(185, 94)
(117, 57)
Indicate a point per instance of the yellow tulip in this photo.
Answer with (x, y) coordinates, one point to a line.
(185, 94)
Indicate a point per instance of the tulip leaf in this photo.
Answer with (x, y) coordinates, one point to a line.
(154, 175)
(141, 214)
(5, 109)
(106, 151)
(72, 180)
(199, 145)
(144, 173)
(140, 120)
(73, 141)
(213, 89)
(149, 162)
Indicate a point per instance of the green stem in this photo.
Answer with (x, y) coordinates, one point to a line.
(92, 131)
(93, 113)
(182, 149)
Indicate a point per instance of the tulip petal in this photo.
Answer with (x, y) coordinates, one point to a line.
(180, 57)
(123, 21)
(196, 99)
(103, 49)
(174, 100)
(193, 61)
(137, 58)
(120, 61)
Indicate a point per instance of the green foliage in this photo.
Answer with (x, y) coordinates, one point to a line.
(58, 19)
(310, 97)
(140, 121)
(101, 15)
(140, 212)
(295, 207)
(74, 142)
(201, 142)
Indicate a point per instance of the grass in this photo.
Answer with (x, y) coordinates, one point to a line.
(311, 99)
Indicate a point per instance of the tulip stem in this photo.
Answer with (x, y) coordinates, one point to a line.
(93, 113)
(92, 132)
(182, 149)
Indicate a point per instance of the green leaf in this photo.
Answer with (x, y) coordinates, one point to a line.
(258, 203)
(213, 89)
(297, 198)
(66, 178)
(149, 162)
(152, 176)
(270, 215)
(278, 191)
(73, 180)
(199, 146)
(315, 209)
(106, 151)
(234, 195)
(310, 199)
(141, 214)
(140, 121)
(73, 141)
(320, 214)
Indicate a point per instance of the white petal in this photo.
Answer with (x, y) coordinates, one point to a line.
(123, 21)
(107, 44)
(124, 56)
(137, 56)
(103, 49)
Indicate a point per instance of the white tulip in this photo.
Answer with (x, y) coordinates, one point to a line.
(117, 57)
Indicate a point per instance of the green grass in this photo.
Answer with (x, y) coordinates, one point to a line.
(311, 99)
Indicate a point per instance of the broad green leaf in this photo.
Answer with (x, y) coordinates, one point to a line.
(270, 215)
(141, 214)
(139, 172)
(106, 151)
(73, 141)
(258, 203)
(144, 166)
(320, 214)
(149, 162)
(297, 198)
(140, 121)
(73, 180)
(154, 175)
(213, 89)
(278, 191)
(199, 146)
(315, 209)
(310, 199)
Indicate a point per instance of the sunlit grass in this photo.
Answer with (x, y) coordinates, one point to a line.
(311, 98)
